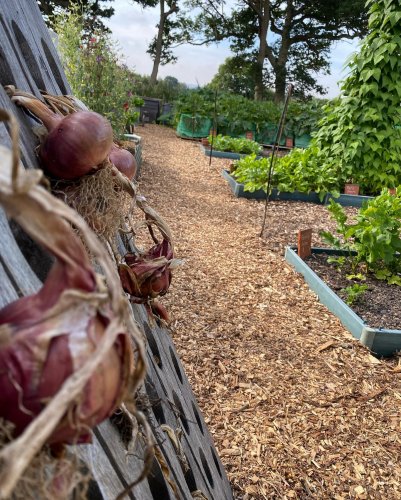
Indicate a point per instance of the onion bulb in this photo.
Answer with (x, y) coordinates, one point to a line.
(124, 161)
(75, 144)
(46, 337)
(147, 276)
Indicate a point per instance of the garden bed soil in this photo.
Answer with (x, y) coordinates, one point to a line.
(297, 407)
(379, 306)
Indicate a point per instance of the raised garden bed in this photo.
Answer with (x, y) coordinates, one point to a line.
(239, 191)
(380, 340)
(349, 200)
(224, 154)
(346, 200)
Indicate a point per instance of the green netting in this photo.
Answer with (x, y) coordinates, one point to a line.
(302, 141)
(238, 132)
(268, 135)
(194, 126)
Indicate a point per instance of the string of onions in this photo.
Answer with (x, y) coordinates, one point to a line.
(65, 359)
(78, 141)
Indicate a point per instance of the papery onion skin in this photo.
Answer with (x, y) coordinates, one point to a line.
(37, 355)
(28, 382)
(124, 161)
(147, 276)
(75, 145)
(79, 143)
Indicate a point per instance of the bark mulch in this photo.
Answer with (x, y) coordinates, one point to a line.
(297, 408)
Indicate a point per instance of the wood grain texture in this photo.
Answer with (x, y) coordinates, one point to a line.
(29, 61)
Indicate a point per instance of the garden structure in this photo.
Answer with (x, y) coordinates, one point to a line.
(296, 407)
(186, 462)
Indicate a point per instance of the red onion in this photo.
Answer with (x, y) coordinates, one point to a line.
(147, 276)
(45, 338)
(159, 310)
(75, 144)
(124, 161)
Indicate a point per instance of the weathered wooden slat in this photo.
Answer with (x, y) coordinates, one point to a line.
(29, 60)
(180, 410)
(7, 290)
(104, 474)
(25, 279)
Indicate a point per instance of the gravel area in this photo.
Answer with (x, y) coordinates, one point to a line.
(297, 408)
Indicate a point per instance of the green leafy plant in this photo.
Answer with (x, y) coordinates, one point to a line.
(299, 172)
(303, 117)
(354, 292)
(374, 237)
(359, 135)
(252, 172)
(92, 63)
(235, 145)
(237, 114)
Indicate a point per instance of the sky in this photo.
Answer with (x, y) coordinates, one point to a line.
(134, 28)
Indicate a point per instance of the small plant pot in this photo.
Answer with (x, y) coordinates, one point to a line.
(205, 142)
(351, 189)
(289, 142)
(392, 191)
(249, 135)
(213, 132)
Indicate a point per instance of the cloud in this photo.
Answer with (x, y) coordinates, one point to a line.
(134, 28)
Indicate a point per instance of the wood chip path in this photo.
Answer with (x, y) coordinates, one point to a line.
(297, 408)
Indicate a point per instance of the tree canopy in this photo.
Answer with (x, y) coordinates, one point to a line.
(93, 11)
(287, 40)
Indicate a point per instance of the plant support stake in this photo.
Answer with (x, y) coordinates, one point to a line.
(214, 127)
(275, 148)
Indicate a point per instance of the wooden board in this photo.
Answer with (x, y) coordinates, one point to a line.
(29, 61)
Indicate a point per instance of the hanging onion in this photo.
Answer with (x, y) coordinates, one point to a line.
(46, 339)
(148, 275)
(124, 161)
(75, 144)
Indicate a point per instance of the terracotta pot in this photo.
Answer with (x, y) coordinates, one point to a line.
(289, 142)
(205, 142)
(392, 191)
(249, 135)
(351, 189)
(213, 132)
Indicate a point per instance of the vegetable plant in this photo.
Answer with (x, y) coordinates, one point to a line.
(299, 172)
(252, 172)
(235, 145)
(375, 235)
(359, 136)
(295, 174)
(354, 292)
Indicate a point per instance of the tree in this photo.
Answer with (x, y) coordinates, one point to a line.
(93, 11)
(160, 47)
(236, 75)
(288, 38)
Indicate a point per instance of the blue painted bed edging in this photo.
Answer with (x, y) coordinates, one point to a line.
(349, 200)
(380, 341)
(346, 200)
